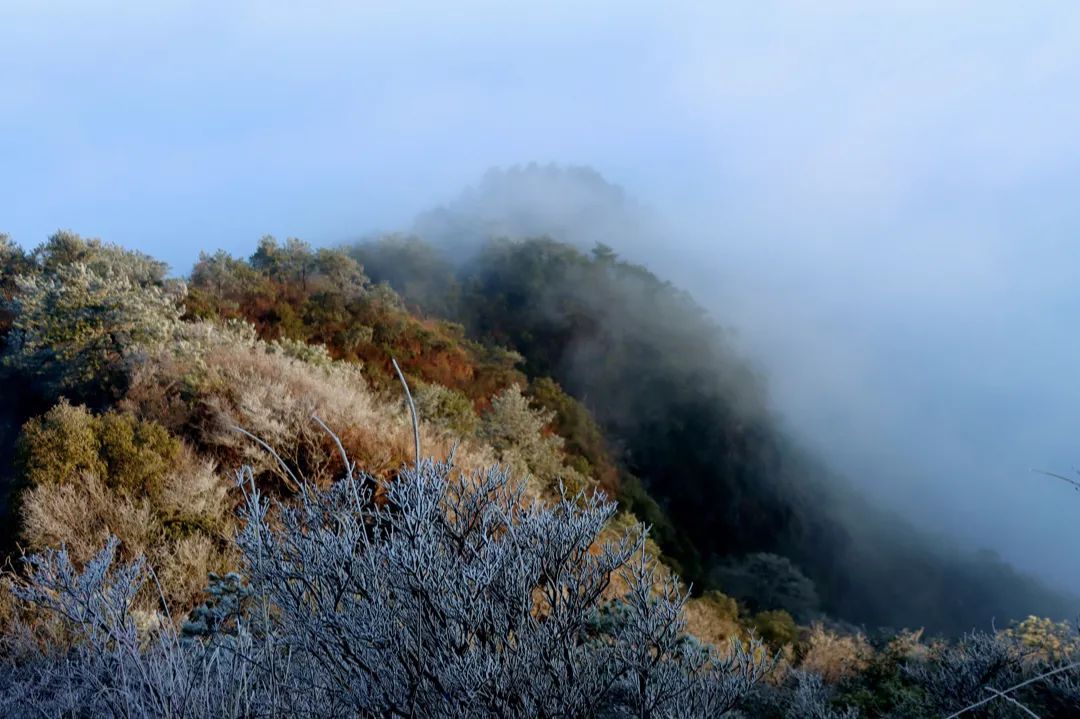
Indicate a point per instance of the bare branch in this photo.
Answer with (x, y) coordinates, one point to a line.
(412, 410)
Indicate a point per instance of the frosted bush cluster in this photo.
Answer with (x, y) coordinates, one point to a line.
(438, 594)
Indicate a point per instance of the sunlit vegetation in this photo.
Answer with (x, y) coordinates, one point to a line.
(551, 377)
(293, 292)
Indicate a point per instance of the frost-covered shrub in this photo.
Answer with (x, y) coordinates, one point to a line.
(799, 695)
(314, 354)
(811, 699)
(108, 659)
(440, 594)
(81, 329)
(14, 262)
(956, 675)
(224, 610)
(1062, 695)
(518, 432)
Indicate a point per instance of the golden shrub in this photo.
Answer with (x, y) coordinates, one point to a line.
(835, 656)
(59, 445)
(714, 618)
(1044, 639)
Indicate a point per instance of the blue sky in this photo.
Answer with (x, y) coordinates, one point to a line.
(882, 197)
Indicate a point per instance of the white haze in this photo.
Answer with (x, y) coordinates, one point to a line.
(881, 197)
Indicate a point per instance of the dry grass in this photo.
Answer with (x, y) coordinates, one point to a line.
(908, 645)
(196, 489)
(82, 514)
(273, 396)
(190, 560)
(183, 533)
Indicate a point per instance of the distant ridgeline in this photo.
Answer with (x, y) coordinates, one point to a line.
(123, 387)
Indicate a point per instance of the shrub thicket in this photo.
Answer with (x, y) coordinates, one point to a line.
(450, 597)
(87, 476)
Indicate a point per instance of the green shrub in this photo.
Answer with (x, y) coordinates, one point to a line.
(723, 606)
(85, 477)
(518, 432)
(59, 446)
(447, 408)
(128, 454)
(137, 454)
(776, 627)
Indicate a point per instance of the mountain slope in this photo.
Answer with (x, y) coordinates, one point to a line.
(687, 415)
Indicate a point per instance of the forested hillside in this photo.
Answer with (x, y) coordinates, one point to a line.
(133, 398)
(693, 428)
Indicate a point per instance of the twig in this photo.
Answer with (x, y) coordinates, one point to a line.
(416, 440)
(1013, 688)
(345, 459)
(340, 447)
(412, 410)
(1073, 482)
(1011, 700)
(274, 454)
(161, 593)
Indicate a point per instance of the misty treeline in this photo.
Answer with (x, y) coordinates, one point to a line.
(309, 588)
(688, 421)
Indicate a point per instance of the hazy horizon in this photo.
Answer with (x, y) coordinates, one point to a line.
(880, 201)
